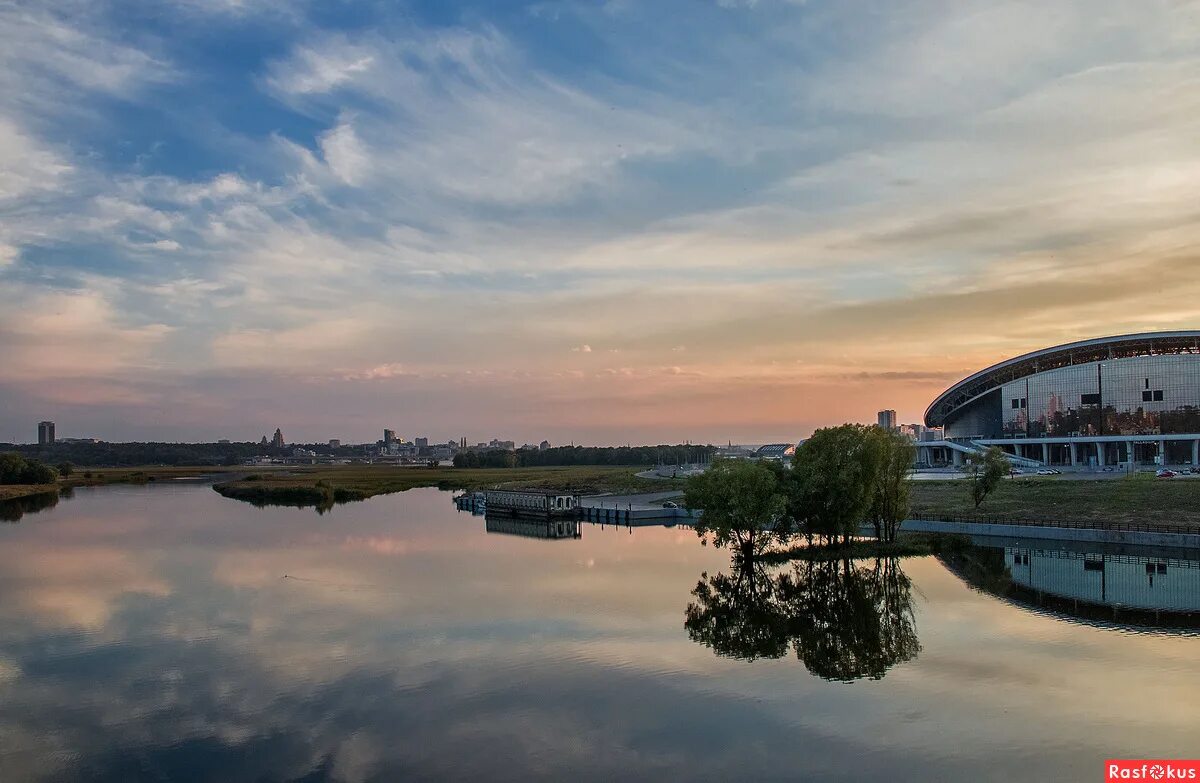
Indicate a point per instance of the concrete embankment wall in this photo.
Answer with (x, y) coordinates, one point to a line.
(1137, 537)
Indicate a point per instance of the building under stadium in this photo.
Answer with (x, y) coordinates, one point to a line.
(1121, 401)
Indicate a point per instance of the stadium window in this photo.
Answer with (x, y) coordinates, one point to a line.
(1147, 396)
(1016, 403)
(1093, 565)
(1089, 399)
(1158, 395)
(1024, 403)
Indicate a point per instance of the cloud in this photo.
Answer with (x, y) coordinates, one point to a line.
(446, 207)
(318, 70)
(25, 166)
(44, 54)
(345, 154)
(380, 372)
(71, 335)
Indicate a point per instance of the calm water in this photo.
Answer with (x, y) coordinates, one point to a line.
(166, 633)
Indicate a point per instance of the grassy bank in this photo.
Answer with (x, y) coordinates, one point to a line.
(321, 485)
(17, 491)
(1140, 498)
(98, 477)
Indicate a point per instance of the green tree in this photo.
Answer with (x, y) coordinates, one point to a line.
(895, 454)
(742, 505)
(835, 477)
(15, 469)
(986, 470)
(11, 468)
(65, 469)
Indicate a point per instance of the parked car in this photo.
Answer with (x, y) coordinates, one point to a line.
(1049, 472)
(1164, 473)
(670, 504)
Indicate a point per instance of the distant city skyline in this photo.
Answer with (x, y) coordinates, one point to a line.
(617, 222)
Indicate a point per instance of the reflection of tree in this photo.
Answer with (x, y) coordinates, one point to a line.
(13, 510)
(844, 621)
(739, 616)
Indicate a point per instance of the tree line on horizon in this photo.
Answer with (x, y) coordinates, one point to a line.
(584, 455)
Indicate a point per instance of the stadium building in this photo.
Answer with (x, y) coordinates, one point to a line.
(1113, 401)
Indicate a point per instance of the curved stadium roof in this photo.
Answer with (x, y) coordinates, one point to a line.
(1082, 352)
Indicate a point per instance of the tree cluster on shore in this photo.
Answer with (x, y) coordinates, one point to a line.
(15, 469)
(840, 478)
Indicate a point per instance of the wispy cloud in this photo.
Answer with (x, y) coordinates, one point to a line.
(458, 212)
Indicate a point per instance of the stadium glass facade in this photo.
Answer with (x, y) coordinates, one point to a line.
(1139, 396)
(1133, 398)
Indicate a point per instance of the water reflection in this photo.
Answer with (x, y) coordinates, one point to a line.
(844, 620)
(1134, 588)
(149, 633)
(13, 510)
(532, 528)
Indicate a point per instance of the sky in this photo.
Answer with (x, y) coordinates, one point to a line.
(600, 222)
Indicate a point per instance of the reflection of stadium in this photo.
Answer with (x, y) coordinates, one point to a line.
(1156, 590)
(1155, 583)
(1133, 399)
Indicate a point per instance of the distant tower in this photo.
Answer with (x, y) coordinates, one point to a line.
(264, 442)
(389, 437)
(45, 433)
(277, 441)
(887, 420)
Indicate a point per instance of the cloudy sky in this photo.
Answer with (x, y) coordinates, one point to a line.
(605, 222)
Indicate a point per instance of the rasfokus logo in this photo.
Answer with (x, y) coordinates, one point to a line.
(1152, 769)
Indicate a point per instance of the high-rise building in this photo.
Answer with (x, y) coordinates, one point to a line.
(334, 443)
(45, 433)
(389, 437)
(421, 443)
(887, 419)
(277, 441)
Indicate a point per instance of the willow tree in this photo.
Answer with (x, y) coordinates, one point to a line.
(834, 474)
(742, 505)
(894, 457)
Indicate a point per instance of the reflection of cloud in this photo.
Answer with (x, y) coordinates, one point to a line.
(501, 658)
(74, 586)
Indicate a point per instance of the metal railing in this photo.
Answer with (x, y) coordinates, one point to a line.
(1129, 527)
